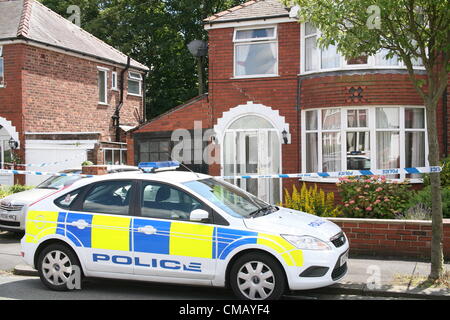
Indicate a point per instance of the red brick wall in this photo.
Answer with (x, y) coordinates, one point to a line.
(379, 89)
(61, 95)
(392, 238)
(182, 117)
(11, 96)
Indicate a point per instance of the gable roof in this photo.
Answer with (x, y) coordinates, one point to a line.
(255, 9)
(30, 20)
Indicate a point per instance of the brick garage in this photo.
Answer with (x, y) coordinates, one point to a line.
(392, 238)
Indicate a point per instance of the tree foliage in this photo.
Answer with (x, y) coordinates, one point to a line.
(155, 33)
(412, 30)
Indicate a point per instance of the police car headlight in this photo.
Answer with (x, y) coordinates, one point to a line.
(307, 242)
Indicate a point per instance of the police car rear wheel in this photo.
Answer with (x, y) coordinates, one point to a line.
(257, 277)
(57, 268)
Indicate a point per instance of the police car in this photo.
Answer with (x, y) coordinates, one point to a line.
(180, 227)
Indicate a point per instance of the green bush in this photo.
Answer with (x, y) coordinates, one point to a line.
(7, 191)
(445, 175)
(424, 197)
(373, 197)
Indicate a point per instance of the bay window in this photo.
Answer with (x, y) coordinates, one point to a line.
(315, 59)
(255, 52)
(364, 138)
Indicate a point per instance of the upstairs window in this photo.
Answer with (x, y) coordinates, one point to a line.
(134, 83)
(255, 52)
(102, 86)
(315, 59)
(2, 73)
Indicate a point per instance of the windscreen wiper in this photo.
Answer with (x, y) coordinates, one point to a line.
(260, 210)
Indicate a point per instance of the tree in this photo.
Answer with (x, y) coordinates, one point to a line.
(155, 33)
(412, 30)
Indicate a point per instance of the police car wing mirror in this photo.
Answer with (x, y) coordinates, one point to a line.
(199, 215)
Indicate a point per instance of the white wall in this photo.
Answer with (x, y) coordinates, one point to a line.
(40, 151)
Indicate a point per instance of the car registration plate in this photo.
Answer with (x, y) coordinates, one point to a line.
(344, 258)
(8, 216)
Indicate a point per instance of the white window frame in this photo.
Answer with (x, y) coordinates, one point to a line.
(121, 151)
(371, 61)
(266, 40)
(372, 129)
(138, 78)
(114, 81)
(2, 60)
(105, 71)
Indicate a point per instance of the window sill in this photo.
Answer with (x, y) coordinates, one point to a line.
(255, 76)
(134, 95)
(103, 105)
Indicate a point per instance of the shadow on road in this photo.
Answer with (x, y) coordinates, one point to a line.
(10, 237)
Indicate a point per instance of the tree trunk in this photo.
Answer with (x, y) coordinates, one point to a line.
(437, 257)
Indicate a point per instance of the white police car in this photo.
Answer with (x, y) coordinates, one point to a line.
(180, 227)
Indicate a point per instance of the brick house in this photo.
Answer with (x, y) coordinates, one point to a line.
(278, 104)
(60, 88)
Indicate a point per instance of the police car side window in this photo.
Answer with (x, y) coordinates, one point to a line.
(165, 202)
(111, 197)
(66, 201)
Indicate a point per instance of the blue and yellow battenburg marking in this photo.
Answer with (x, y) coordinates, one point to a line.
(172, 238)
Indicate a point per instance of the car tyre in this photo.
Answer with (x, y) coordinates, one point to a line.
(59, 268)
(257, 276)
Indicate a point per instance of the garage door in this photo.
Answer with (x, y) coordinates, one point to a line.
(68, 156)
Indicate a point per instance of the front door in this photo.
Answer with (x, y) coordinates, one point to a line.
(254, 152)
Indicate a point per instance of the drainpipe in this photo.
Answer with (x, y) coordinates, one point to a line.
(116, 116)
(299, 112)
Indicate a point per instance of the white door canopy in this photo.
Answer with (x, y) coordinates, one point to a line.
(7, 129)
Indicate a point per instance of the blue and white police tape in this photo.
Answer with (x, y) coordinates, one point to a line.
(337, 174)
(341, 174)
(52, 174)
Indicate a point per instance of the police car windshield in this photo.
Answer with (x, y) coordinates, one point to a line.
(57, 183)
(231, 199)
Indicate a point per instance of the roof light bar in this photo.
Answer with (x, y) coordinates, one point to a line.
(159, 166)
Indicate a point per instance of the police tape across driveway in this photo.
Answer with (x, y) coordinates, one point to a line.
(336, 174)
(38, 173)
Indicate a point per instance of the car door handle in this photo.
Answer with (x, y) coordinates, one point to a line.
(147, 230)
(80, 224)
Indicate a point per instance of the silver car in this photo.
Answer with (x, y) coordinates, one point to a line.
(14, 207)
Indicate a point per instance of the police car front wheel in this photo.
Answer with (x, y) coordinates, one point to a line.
(59, 268)
(257, 276)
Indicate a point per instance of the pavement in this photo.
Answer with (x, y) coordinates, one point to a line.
(389, 278)
(369, 278)
(366, 277)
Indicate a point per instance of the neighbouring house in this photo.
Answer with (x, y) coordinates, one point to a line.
(279, 104)
(65, 96)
